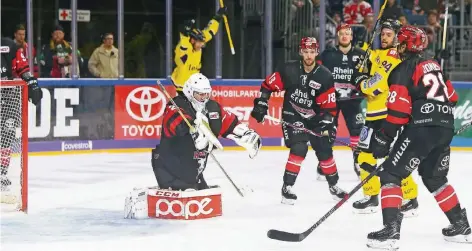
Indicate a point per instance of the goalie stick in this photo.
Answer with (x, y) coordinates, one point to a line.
(297, 237)
(193, 129)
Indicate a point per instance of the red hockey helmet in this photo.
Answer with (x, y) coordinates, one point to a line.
(309, 43)
(343, 27)
(413, 37)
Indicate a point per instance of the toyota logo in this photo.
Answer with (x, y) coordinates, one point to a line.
(445, 161)
(145, 97)
(427, 108)
(414, 163)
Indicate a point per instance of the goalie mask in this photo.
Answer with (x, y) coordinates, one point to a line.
(197, 89)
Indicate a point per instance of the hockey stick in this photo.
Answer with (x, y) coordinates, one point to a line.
(225, 19)
(297, 237)
(367, 51)
(193, 129)
(445, 31)
(307, 131)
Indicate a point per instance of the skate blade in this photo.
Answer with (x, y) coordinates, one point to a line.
(287, 201)
(336, 198)
(383, 245)
(410, 213)
(367, 210)
(459, 238)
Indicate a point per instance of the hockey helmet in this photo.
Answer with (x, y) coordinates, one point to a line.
(309, 43)
(391, 24)
(343, 27)
(413, 37)
(197, 89)
(197, 34)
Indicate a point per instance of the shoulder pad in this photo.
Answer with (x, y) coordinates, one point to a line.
(392, 53)
(212, 106)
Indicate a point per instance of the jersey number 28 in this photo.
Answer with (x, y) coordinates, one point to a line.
(435, 81)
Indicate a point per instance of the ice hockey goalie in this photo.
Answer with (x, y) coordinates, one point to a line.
(180, 158)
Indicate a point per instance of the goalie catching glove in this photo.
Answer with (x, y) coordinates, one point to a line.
(247, 138)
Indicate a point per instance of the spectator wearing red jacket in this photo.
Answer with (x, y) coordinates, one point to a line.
(20, 34)
(356, 10)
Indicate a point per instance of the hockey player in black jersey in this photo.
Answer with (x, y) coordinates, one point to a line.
(180, 158)
(342, 61)
(421, 100)
(310, 102)
(12, 60)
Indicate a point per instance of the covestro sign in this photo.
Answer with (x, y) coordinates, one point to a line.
(138, 112)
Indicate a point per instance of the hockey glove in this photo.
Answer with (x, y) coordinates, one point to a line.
(219, 14)
(358, 78)
(188, 26)
(380, 144)
(34, 91)
(259, 111)
(322, 124)
(247, 138)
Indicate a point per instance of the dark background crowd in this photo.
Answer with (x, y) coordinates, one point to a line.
(144, 26)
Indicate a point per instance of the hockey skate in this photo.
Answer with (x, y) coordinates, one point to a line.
(6, 194)
(367, 205)
(319, 174)
(410, 208)
(337, 193)
(459, 231)
(388, 237)
(288, 197)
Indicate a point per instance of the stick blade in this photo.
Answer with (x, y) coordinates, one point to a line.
(284, 236)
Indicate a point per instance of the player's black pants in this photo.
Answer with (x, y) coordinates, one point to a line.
(297, 141)
(424, 148)
(352, 113)
(175, 172)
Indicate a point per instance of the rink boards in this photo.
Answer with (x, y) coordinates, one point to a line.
(90, 115)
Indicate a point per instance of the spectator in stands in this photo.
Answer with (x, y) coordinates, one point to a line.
(331, 27)
(104, 60)
(20, 34)
(335, 6)
(433, 21)
(294, 8)
(403, 20)
(363, 35)
(392, 10)
(56, 57)
(356, 10)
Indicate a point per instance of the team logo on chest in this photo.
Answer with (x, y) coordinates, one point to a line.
(303, 78)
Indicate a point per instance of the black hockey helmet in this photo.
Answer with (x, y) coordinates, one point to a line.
(391, 24)
(197, 34)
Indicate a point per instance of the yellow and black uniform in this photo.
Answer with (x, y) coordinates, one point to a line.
(382, 62)
(187, 60)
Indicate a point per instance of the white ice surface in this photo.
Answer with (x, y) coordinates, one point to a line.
(76, 203)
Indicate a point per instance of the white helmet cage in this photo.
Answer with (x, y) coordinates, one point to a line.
(197, 83)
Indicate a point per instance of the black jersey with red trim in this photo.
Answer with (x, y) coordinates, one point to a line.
(176, 141)
(419, 95)
(12, 59)
(307, 93)
(342, 67)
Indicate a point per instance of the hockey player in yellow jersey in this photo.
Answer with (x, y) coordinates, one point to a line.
(188, 52)
(374, 85)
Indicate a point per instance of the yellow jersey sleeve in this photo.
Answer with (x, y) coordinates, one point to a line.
(210, 30)
(181, 50)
